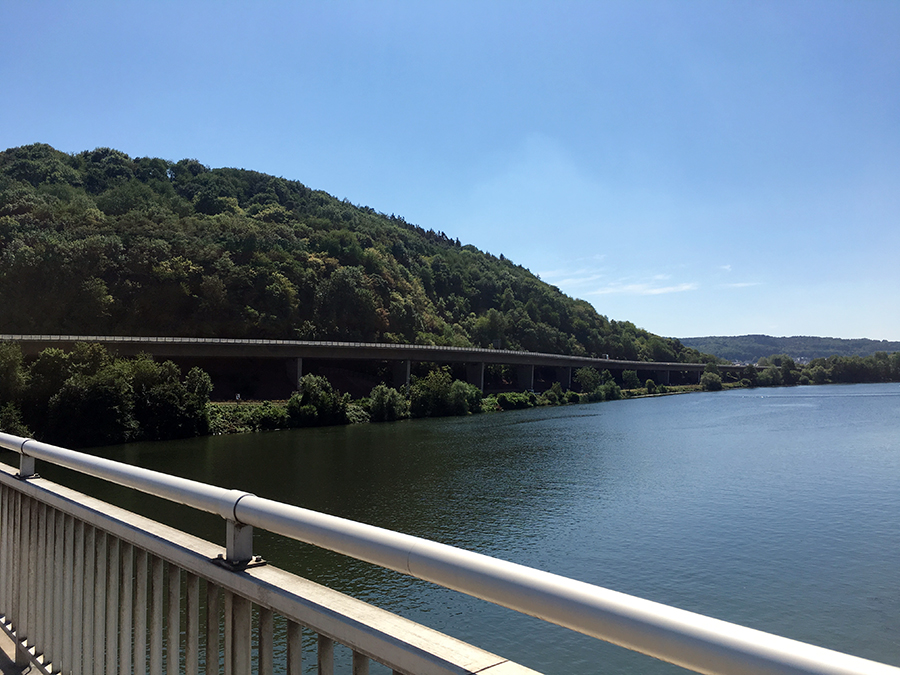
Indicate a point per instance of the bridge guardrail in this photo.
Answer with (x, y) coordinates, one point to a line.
(495, 355)
(685, 638)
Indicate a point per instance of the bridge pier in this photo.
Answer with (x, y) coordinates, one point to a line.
(563, 375)
(475, 374)
(401, 373)
(295, 371)
(525, 377)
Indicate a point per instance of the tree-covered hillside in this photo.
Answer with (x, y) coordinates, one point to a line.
(102, 243)
(751, 348)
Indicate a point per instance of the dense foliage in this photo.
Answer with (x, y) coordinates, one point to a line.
(751, 348)
(102, 243)
(781, 369)
(86, 397)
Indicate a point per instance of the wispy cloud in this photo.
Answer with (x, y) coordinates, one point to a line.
(726, 268)
(742, 284)
(644, 289)
(571, 277)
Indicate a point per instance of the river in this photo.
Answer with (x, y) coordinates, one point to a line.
(778, 509)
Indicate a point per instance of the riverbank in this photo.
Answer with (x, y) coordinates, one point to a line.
(248, 416)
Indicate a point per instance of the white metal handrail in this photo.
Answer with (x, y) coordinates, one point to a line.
(691, 640)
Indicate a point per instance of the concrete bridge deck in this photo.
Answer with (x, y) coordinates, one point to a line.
(8, 656)
(271, 369)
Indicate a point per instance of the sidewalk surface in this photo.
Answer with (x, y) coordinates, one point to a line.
(8, 656)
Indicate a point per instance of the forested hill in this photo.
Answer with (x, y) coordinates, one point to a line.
(102, 243)
(751, 348)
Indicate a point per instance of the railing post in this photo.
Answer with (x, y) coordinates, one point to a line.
(126, 607)
(192, 624)
(26, 466)
(325, 655)
(90, 585)
(238, 543)
(211, 660)
(264, 641)
(78, 599)
(173, 620)
(360, 664)
(294, 649)
(156, 615)
(140, 615)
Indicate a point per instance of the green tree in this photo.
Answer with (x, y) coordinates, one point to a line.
(430, 395)
(92, 410)
(770, 377)
(316, 402)
(587, 378)
(386, 404)
(710, 382)
(11, 420)
(438, 395)
(12, 372)
(630, 379)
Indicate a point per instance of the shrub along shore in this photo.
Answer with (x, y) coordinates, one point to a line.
(87, 397)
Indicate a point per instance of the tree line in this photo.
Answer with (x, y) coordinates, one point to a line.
(751, 348)
(782, 370)
(88, 397)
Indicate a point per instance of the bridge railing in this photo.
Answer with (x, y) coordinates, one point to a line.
(53, 537)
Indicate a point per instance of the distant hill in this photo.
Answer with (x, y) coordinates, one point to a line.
(102, 243)
(751, 348)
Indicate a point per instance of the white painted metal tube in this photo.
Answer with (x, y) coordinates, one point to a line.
(193, 493)
(687, 639)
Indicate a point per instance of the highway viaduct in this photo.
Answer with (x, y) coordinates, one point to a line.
(259, 368)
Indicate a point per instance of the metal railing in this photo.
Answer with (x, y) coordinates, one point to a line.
(687, 639)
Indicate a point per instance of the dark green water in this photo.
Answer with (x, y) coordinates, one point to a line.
(777, 509)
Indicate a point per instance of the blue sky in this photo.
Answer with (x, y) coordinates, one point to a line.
(698, 168)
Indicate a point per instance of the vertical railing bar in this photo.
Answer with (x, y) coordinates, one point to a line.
(78, 598)
(46, 541)
(38, 538)
(211, 656)
(26, 552)
(325, 655)
(265, 641)
(294, 665)
(45, 538)
(173, 623)
(228, 631)
(242, 637)
(156, 615)
(16, 583)
(68, 647)
(5, 546)
(140, 614)
(89, 628)
(126, 608)
(192, 624)
(100, 559)
(360, 664)
(112, 606)
(59, 575)
(19, 573)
